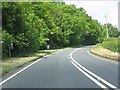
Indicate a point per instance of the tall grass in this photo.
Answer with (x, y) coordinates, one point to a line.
(111, 44)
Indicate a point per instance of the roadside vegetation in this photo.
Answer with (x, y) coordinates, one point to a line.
(10, 64)
(30, 26)
(109, 48)
(111, 44)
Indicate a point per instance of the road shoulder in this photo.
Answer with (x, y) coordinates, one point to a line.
(104, 53)
(12, 65)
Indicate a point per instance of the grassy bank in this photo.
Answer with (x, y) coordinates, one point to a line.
(10, 64)
(111, 44)
(108, 49)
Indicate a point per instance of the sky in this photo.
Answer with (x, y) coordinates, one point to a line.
(98, 9)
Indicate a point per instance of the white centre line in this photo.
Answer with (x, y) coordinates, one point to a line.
(76, 64)
(90, 77)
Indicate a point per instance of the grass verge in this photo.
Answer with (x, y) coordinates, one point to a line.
(104, 53)
(10, 64)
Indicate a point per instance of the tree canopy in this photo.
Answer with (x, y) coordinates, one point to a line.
(30, 26)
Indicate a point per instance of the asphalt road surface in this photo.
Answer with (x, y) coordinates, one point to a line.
(68, 68)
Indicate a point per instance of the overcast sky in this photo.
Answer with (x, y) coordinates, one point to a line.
(98, 9)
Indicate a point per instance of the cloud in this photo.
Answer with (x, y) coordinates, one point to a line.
(113, 16)
(98, 9)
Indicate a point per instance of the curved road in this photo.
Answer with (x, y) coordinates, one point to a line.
(68, 68)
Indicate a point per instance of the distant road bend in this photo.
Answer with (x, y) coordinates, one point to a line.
(67, 68)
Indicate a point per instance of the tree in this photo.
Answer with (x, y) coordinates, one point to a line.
(33, 25)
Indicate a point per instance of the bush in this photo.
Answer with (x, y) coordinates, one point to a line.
(111, 44)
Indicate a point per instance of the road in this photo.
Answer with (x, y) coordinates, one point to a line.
(68, 68)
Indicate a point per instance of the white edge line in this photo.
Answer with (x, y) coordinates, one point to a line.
(19, 72)
(90, 77)
(99, 78)
(27, 67)
(24, 69)
(101, 57)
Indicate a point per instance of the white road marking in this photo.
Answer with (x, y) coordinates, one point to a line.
(90, 77)
(88, 71)
(28, 67)
(19, 72)
(24, 69)
(91, 73)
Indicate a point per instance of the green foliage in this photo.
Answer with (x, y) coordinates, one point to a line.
(111, 44)
(6, 38)
(112, 31)
(33, 25)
